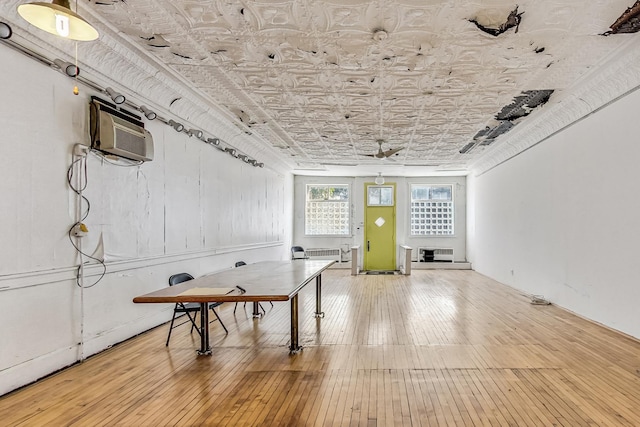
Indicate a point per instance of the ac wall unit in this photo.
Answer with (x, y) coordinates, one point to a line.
(119, 132)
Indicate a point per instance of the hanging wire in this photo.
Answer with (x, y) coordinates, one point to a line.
(83, 216)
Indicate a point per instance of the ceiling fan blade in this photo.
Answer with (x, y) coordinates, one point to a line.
(392, 151)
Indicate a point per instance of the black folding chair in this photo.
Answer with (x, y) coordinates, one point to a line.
(240, 264)
(189, 307)
(297, 252)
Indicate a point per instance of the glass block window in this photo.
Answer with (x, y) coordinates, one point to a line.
(327, 210)
(431, 210)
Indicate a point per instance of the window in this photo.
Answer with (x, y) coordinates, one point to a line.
(379, 196)
(431, 210)
(327, 210)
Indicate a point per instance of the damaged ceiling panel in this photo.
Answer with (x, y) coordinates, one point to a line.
(319, 82)
(628, 22)
(523, 104)
(512, 21)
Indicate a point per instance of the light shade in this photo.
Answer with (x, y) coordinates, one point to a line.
(379, 179)
(57, 18)
(195, 132)
(149, 114)
(67, 67)
(116, 97)
(5, 30)
(179, 127)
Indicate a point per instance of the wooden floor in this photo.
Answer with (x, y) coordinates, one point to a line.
(438, 348)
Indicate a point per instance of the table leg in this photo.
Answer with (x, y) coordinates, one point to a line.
(256, 309)
(319, 312)
(205, 349)
(294, 348)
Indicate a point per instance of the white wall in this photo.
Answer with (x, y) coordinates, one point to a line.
(193, 208)
(561, 219)
(403, 202)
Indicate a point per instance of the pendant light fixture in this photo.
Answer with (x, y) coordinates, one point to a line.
(379, 179)
(57, 18)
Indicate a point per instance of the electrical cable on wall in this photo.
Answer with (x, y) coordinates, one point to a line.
(78, 229)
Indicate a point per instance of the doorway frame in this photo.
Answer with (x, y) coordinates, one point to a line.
(365, 252)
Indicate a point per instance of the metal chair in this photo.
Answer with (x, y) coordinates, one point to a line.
(240, 264)
(297, 252)
(189, 307)
(186, 308)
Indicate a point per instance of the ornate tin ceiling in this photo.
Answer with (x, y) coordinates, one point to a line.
(321, 82)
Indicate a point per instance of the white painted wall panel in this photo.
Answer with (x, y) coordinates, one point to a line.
(55, 302)
(33, 233)
(191, 209)
(561, 219)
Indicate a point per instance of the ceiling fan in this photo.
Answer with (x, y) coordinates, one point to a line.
(383, 154)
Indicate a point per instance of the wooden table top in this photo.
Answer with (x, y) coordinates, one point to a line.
(262, 281)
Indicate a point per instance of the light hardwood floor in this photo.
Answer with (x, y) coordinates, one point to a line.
(438, 348)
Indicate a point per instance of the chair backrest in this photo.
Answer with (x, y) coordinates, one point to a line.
(179, 278)
(240, 263)
(297, 252)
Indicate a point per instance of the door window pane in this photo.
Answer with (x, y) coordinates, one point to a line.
(380, 196)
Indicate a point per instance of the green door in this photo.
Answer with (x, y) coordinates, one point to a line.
(380, 227)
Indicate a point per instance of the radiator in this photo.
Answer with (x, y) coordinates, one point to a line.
(439, 254)
(324, 253)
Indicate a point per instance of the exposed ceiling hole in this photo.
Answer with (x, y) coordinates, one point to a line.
(513, 20)
(174, 100)
(181, 55)
(628, 22)
(467, 147)
(489, 134)
(157, 41)
(539, 50)
(482, 133)
(523, 105)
